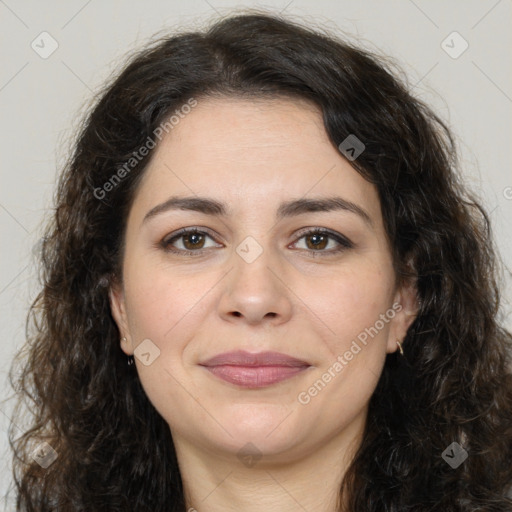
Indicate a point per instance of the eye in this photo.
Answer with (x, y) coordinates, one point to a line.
(191, 239)
(316, 240)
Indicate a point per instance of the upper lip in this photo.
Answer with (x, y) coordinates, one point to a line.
(243, 358)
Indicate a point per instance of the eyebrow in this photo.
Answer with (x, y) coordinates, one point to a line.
(286, 209)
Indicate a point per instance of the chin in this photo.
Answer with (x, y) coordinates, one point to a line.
(271, 433)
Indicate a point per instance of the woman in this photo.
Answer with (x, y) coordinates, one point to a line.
(265, 289)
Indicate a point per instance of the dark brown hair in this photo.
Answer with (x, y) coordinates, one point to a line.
(115, 452)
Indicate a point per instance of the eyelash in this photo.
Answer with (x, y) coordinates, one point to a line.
(343, 242)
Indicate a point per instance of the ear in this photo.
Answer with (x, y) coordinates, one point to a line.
(406, 306)
(118, 309)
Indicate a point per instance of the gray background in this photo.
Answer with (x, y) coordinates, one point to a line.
(41, 100)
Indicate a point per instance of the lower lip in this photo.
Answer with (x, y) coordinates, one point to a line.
(255, 376)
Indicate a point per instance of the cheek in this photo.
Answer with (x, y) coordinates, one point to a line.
(170, 308)
(351, 300)
(165, 309)
(159, 300)
(353, 342)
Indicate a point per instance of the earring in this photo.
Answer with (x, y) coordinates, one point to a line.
(400, 347)
(130, 360)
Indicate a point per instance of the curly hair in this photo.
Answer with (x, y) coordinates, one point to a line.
(115, 451)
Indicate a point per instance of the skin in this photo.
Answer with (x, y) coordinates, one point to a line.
(253, 155)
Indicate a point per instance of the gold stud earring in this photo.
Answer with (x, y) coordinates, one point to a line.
(400, 347)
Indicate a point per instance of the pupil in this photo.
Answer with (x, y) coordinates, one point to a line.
(193, 238)
(318, 240)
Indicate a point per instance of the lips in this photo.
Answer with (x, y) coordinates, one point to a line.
(243, 358)
(254, 370)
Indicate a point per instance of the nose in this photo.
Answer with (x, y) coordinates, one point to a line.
(256, 291)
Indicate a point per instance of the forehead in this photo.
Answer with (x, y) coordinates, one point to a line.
(252, 151)
(233, 128)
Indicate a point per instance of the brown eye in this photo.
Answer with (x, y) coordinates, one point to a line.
(192, 242)
(317, 241)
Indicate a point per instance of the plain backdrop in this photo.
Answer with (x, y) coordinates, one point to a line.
(55, 55)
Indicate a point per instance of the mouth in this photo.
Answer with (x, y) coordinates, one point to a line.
(254, 370)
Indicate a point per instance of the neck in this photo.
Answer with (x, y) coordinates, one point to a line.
(222, 481)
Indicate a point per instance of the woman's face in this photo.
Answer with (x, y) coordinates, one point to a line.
(257, 176)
